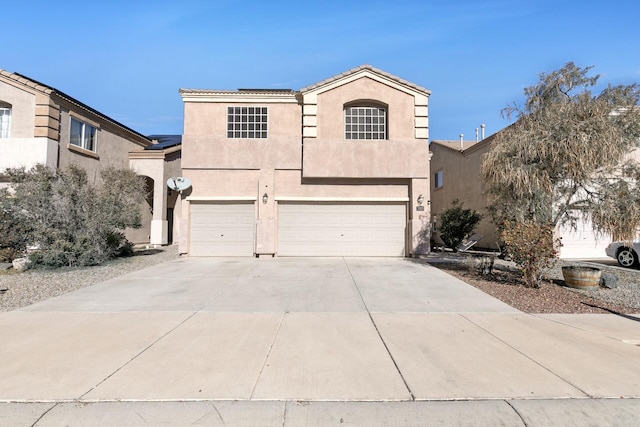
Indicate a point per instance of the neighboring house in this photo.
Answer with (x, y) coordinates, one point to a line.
(456, 170)
(338, 168)
(40, 124)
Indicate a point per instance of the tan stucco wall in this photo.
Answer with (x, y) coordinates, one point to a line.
(462, 180)
(205, 142)
(400, 113)
(365, 159)
(23, 106)
(290, 184)
(111, 149)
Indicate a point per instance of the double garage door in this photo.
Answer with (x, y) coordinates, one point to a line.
(341, 229)
(304, 229)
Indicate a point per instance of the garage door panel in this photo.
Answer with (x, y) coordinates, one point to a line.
(341, 229)
(221, 229)
(582, 241)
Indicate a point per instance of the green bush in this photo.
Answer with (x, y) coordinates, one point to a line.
(456, 223)
(69, 221)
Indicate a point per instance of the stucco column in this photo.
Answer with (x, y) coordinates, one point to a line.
(419, 217)
(159, 232)
(266, 223)
(183, 224)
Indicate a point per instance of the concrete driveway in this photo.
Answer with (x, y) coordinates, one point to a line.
(276, 332)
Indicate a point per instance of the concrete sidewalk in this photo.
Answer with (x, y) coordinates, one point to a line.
(308, 341)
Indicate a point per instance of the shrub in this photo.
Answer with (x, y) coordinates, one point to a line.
(13, 232)
(71, 222)
(531, 246)
(456, 223)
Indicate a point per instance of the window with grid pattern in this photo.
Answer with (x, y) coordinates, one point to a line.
(247, 122)
(365, 123)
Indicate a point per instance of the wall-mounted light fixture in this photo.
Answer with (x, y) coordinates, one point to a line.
(265, 198)
(420, 200)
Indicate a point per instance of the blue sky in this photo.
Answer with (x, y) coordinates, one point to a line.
(128, 59)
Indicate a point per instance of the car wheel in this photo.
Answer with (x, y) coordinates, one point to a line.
(627, 257)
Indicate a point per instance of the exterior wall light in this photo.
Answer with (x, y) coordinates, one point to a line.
(420, 200)
(265, 198)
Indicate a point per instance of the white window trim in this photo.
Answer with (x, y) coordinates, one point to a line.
(437, 180)
(366, 133)
(5, 122)
(83, 145)
(254, 129)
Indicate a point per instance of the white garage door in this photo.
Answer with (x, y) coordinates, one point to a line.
(222, 229)
(582, 242)
(341, 229)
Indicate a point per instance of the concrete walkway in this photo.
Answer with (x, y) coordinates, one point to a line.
(310, 341)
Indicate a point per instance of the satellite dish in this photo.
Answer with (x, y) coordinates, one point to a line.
(178, 183)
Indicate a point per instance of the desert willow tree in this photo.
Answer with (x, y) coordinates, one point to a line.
(568, 155)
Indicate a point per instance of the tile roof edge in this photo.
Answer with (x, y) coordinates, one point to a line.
(362, 68)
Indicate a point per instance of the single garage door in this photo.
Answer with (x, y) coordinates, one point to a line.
(582, 242)
(341, 229)
(222, 229)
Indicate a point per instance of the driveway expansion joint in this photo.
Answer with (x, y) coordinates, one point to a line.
(373, 322)
(528, 356)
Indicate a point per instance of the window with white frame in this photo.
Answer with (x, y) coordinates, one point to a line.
(83, 135)
(247, 122)
(365, 122)
(5, 120)
(437, 179)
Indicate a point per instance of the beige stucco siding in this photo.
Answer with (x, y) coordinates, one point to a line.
(462, 180)
(205, 142)
(289, 184)
(216, 152)
(330, 108)
(112, 150)
(221, 183)
(23, 106)
(365, 158)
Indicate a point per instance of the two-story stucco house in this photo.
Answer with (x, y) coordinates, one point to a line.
(338, 168)
(42, 125)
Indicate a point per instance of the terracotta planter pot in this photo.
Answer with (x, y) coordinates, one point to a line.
(581, 277)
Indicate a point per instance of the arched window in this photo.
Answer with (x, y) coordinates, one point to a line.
(365, 120)
(5, 119)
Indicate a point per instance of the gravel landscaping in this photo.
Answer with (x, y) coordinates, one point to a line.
(22, 289)
(552, 296)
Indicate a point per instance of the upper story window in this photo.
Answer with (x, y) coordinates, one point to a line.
(83, 135)
(5, 119)
(247, 122)
(365, 122)
(437, 179)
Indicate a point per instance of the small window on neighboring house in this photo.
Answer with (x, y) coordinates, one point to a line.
(247, 122)
(437, 179)
(5, 120)
(365, 122)
(83, 135)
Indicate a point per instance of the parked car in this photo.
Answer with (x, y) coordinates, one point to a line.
(625, 255)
